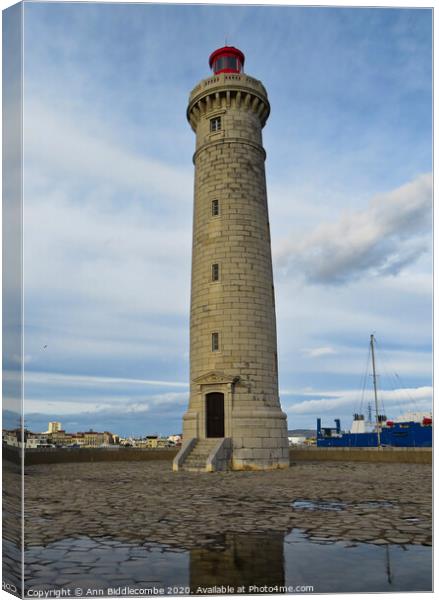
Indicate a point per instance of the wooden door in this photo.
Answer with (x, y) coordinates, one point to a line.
(215, 415)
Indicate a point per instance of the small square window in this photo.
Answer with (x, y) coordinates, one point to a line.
(215, 124)
(215, 208)
(215, 342)
(215, 272)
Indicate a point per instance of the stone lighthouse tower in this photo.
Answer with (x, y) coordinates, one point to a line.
(234, 419)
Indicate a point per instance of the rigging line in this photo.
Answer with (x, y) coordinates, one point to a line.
(401, 406)
(385, 364)
(398, 378)
(360, 410)
(403, 387)
(378, 378)
(364, 381)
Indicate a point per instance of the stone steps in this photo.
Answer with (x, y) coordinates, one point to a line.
(197, 459)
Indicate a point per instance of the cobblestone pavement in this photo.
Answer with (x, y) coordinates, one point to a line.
(135, 501)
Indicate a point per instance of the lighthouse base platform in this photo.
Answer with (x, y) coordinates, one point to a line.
(238, 453)
(253, 439)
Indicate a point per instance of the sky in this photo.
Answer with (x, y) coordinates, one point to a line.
(108, 193)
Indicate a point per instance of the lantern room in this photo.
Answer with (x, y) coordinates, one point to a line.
(226, 60)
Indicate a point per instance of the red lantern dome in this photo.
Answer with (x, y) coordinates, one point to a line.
(226, 60)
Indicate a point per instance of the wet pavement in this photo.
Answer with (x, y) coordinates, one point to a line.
(249, 563)
(147, 501)
(147, 525)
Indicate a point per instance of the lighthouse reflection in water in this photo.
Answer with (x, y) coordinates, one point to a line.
(246, 564)
(269, 562)
(252, 563)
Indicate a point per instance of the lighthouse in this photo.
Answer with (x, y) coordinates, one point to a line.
(234, 419)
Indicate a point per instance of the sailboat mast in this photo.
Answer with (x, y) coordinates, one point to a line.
(375, 389)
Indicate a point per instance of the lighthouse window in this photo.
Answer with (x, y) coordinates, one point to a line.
(215, 208)
(215, 124)
(226, 62)
(215, 272)
(215, 342)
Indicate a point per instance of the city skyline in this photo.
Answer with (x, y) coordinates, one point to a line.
(108, 205)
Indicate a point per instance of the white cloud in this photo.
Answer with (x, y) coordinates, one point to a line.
(84, 405)
(102, 398)
(420, 397)
(391, 233)
(77, 380)
(317, 352)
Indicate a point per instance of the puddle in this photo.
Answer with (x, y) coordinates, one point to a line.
(243, 563)
(303, 504)
(318, 505)
(11, 559)
(375, 504)
(344, 567)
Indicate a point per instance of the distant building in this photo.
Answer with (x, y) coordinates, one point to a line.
(175, 439)
(126, 441)
(94, 439)
(84, 439)
(154, 441)
(61, 438)
(12, 437)
(150, 441)
(37, 440)
(296, 440)
(54, 426)
(24, 439)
